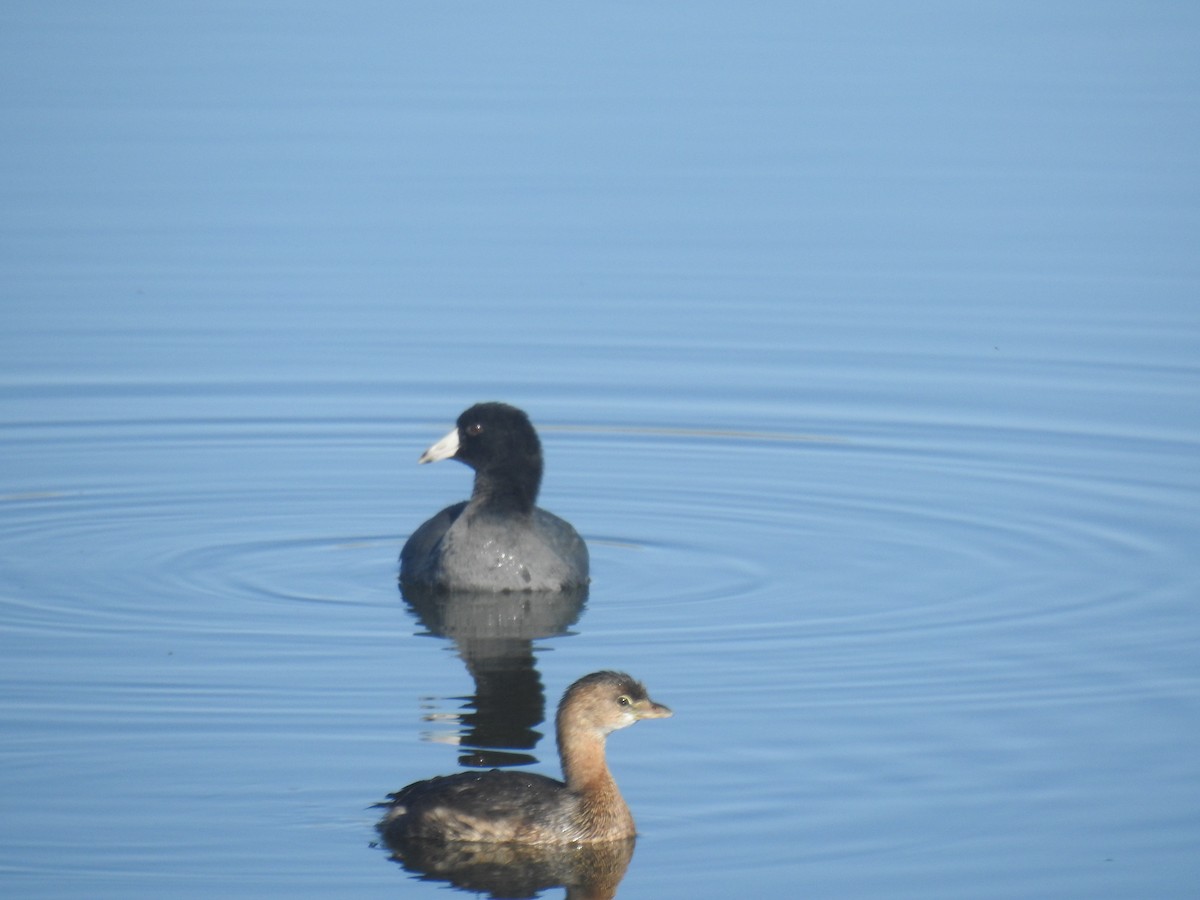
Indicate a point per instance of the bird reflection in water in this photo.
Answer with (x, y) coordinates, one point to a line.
(587, 871)
(494, 634)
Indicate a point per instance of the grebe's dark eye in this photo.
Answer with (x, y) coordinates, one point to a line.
(623, 700)
(475, 429)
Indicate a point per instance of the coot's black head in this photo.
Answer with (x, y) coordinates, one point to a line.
(499, 443)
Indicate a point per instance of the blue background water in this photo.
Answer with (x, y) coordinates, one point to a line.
(863, 343)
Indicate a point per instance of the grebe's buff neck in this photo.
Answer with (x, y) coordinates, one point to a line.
(594, 707)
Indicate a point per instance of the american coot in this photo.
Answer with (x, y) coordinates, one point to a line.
(498, 540)
(526, 808)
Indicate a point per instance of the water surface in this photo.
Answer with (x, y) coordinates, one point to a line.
(863, 345)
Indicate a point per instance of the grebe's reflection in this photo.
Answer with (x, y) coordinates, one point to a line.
(587, 871)
(494, 634)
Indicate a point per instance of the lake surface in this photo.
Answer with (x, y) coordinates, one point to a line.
(864, 344)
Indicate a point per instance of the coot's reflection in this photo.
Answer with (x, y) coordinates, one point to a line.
(587, 871)
(494, 635)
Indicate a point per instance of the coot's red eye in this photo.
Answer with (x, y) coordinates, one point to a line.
(474, 429)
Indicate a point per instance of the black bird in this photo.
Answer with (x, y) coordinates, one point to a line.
(499, 540)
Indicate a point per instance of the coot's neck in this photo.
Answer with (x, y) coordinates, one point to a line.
(586, 773)
(511, 490)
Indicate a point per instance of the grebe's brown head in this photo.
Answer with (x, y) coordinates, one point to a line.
(608, 701)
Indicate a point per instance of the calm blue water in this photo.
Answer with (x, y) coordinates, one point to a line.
(864, 343)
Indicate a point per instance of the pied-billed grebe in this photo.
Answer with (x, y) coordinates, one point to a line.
(499, 540)
(521, 807)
